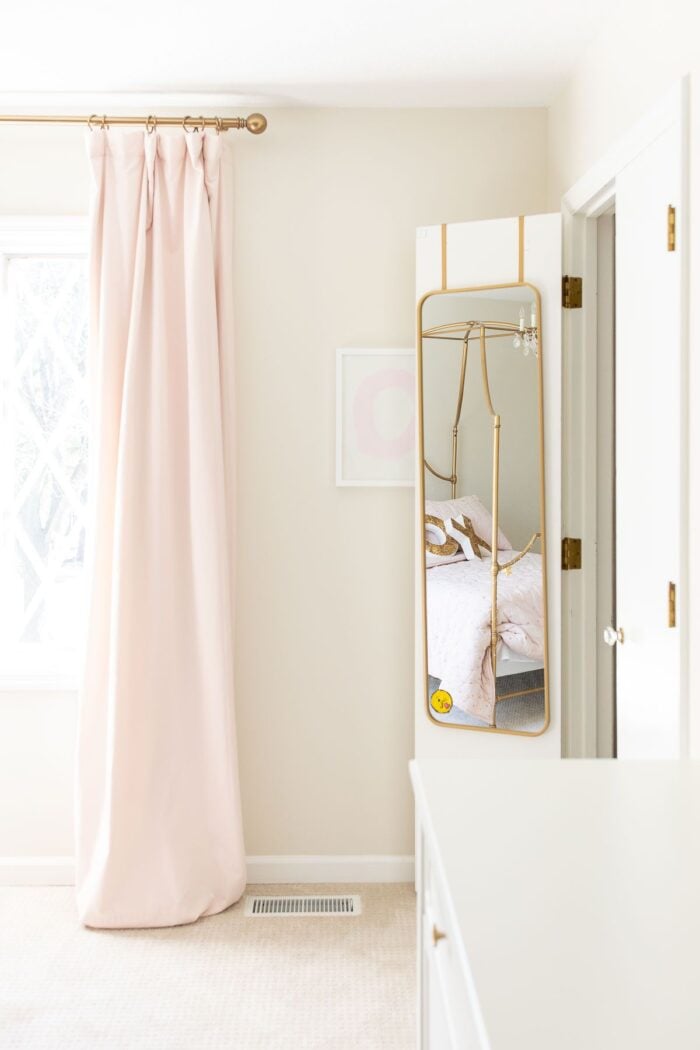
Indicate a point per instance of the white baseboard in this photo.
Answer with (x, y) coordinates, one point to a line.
(60, 871)
(330, 868)
(37, 871)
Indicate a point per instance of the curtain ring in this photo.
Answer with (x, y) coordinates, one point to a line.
(219, 125)
(103, 123)
(197, 123)
(90, 120)
(151, 125)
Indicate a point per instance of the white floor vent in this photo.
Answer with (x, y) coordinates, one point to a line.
(275, 907)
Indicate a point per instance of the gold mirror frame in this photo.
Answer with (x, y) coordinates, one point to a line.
(494, 508)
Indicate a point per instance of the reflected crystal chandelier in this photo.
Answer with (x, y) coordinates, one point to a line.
(526, 337)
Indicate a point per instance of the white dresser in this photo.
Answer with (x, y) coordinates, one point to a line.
(559, 904)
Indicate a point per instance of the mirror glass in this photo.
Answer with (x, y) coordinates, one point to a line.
(485, 615)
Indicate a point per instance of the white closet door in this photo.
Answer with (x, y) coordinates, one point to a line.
(648, 400)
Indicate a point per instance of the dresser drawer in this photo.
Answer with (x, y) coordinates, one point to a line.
(449, 1021)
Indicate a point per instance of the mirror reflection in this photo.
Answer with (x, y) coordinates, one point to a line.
(483, 487)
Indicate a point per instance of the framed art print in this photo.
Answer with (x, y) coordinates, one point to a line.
(375, 417)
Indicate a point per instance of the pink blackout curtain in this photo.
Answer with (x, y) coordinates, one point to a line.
(159, 835)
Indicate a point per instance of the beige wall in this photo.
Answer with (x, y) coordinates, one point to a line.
(632, 63)
(327, 204)
(628, 66)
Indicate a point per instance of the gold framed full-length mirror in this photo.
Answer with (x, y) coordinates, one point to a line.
(482, 502)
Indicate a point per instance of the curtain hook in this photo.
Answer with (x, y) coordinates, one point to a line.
(151, 125)
(103, 123)
(219, 125)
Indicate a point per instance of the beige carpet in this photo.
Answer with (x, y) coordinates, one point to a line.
(225, 982)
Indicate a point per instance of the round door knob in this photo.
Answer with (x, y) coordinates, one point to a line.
(612, 635)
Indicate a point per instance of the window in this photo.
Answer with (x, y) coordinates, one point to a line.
(43, 449)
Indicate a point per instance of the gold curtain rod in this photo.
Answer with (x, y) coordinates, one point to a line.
(255, 123)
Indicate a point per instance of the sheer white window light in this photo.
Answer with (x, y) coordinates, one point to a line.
(43, 450)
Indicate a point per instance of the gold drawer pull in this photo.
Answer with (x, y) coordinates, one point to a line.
(438, 935)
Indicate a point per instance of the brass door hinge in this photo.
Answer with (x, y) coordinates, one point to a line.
(571, 292)
(671, 605)
(570, 553)
(671, 229)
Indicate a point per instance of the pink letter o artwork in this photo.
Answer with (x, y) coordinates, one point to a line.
(369, 439)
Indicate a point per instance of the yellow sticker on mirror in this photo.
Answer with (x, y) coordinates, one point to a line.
(441, 701)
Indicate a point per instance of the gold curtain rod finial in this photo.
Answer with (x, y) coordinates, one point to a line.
(256, 123)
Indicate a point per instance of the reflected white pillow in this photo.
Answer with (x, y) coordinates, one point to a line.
(472, 508)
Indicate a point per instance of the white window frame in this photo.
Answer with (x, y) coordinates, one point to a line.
(26, 236)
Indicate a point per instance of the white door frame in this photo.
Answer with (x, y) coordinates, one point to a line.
(589, 198)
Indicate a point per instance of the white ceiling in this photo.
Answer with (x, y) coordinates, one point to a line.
(312, 52)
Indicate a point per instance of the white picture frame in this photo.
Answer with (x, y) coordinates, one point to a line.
(375, 417)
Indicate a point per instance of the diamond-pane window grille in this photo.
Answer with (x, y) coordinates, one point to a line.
(43, 451)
